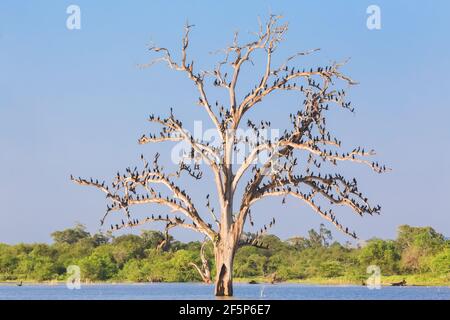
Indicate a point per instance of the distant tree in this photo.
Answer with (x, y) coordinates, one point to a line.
(325, 235)
(416, 245)
(71, 235)
(127, 247)
(153, 239)
(424, 238)
(299, 242)
(180, 264)
(132, 271)
(321, 238)
(8, 262)
(300, 163)
(315, 240)
(271, 242)
(100, 239)
(250, 262)
(39, 264)
(383, 253)
(99, 266)
(440, 264)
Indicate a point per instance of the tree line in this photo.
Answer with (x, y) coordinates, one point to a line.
(419, 253)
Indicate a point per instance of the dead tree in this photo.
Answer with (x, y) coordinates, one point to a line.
(204, 270)
(300, 163)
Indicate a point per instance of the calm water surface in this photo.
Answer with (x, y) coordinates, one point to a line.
(201, 291)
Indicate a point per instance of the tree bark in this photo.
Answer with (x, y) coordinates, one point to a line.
(204, 271)
(224, 256)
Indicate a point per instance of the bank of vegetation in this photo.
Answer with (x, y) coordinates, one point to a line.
(420, 255)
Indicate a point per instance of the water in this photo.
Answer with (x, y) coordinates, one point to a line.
(171, 291)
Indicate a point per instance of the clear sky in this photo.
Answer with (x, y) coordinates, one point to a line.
(73, 101)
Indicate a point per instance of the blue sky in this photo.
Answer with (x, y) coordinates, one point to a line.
(74, 101)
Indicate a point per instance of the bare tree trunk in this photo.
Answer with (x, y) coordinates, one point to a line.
(204, 271)
(224, 256)
(225, 248)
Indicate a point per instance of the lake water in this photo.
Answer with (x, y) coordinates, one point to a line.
(171, 291)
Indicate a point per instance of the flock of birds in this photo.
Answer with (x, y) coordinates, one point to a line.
(309, 131)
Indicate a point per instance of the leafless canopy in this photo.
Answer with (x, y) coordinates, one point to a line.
(301, 153)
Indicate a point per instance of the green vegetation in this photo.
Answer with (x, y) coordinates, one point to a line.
(419, 254)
